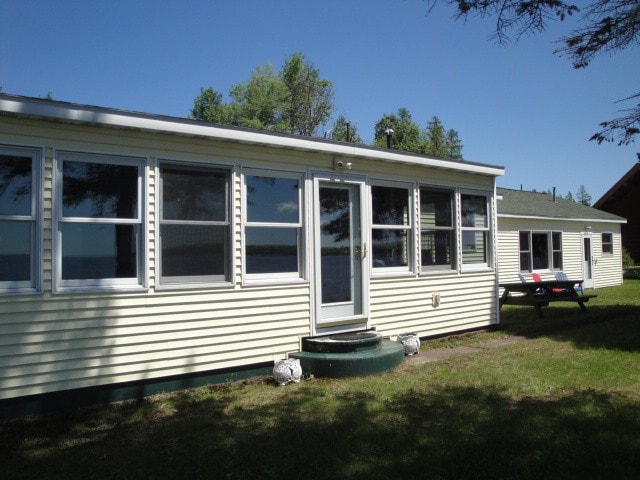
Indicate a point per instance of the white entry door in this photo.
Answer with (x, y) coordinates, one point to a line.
(341, 280)
(587, 261)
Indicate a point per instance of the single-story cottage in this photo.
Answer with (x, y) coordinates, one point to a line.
(142, 252)
(541, 233)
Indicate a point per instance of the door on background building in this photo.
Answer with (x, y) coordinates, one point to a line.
(587, 260)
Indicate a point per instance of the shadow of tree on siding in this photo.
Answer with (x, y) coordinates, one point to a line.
(450, 433)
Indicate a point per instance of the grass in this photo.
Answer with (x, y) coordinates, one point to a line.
(564, 404)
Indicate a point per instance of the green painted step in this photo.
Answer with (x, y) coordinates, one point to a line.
(384, 356)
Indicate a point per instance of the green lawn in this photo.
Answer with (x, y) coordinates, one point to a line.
(563, 404)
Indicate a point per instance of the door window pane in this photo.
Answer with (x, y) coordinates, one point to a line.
(335, 233)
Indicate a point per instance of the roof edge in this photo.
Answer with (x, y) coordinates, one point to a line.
(635, 169)
(564, 219)
(86, 114)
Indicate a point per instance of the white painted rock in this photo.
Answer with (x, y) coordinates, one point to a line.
(286, 371)
(410, 342)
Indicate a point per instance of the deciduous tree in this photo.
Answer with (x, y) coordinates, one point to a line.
(295, 100)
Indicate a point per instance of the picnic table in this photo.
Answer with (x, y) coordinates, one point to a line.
(540, 294)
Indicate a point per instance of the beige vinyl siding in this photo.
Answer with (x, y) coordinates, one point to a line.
(51, 342)
(607, 269)
(68, 342)
(467, 301)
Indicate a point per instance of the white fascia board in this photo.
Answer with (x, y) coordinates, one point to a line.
(561, 219)
(120, 119)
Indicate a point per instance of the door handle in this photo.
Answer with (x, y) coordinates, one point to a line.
(359, 253)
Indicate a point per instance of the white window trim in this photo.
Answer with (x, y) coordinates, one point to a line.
(453, 266)
(301, 276)
(410, 268)
(550, 250)
(606, 254)
(34, 285)
(199, 282)
(474, 267)
(140, 283)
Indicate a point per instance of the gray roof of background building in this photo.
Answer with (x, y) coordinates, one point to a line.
(542, 205)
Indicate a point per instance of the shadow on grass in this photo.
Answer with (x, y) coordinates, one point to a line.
(613, 327)
(451, 433)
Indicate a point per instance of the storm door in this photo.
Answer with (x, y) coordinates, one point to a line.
(340, 252)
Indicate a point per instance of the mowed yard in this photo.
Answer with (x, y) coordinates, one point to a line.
(565, 403)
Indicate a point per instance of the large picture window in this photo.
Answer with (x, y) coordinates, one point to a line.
(437, 229)
(475, 233)
(273, 233)
(99, 226)
(540, 251)
(195, 230)
(20, 202)
(390, 227)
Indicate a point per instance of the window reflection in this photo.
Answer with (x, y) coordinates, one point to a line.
(193, 250)
(194, 195)
(98, 190)
(271, 250)
(15, 185)
(98, 251)
(272, 200)
(15, 251)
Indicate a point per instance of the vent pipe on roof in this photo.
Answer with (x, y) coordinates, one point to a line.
(389, 133)
(554, 194)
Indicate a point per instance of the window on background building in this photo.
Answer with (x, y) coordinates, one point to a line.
(195, 229)
(607, 244)
(540, 251)
(437, 229)
(20, 202)
(99, 227)
(273, 226)
(475, 233)
(390, 228)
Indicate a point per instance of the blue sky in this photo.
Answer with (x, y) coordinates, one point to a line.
(518, 106)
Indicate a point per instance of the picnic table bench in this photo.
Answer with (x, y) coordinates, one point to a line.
(540, 294)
